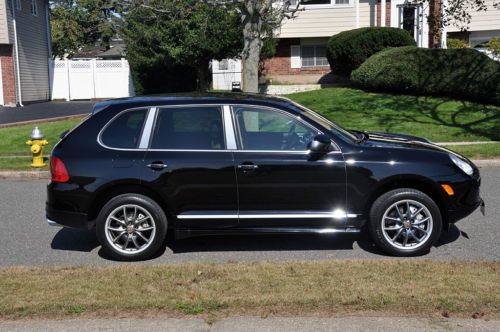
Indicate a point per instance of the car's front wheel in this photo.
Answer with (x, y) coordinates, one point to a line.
(405, 222)
(131, 227)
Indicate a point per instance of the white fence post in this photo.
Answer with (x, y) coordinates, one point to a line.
(68, 77)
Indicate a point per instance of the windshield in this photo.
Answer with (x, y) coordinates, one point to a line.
(333, 127)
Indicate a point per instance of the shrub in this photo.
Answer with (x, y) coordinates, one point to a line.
(456, 43)
(493, 46)
(347, 50)
(460, 73)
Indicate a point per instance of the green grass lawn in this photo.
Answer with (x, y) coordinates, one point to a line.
(440, 120)
(13, 139)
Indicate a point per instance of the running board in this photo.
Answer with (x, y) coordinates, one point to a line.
(187, 233)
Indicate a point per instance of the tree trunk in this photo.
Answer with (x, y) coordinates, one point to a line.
(251, 51)
(203, 74)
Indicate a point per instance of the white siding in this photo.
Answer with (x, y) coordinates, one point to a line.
(325, 22)
(483, 20)
(4, 34)
(33, 52)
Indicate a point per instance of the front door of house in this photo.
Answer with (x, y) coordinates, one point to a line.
(410, 18)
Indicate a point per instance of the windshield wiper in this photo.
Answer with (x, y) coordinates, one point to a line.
(361, 135)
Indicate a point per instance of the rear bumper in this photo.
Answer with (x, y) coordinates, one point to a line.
(67, 218)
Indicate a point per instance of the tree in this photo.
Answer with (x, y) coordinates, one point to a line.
(179, 32)
(76, 24)
(259, 19)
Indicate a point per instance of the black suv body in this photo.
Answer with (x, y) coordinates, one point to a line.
(235, 163)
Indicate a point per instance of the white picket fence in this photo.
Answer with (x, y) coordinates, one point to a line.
(225, 72)
(90, 79)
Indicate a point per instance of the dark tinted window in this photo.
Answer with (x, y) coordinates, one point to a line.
(125, 130)
(189, 128)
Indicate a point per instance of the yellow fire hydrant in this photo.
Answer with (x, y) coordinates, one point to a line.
(37, 143)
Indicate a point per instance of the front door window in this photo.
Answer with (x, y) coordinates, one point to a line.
(264, 130)
(411, 20)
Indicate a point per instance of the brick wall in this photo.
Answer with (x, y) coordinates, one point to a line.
(280, 63)
(7, 72)
(387, 13)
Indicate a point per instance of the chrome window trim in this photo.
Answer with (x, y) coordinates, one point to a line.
(148, 128)
(223, 107)
(229, 131)
(99, 136)
(274, 109)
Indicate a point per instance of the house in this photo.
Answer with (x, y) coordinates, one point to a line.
(24, 51)
(301, 51)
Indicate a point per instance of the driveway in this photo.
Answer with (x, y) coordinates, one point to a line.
(46, 110)
(27, 240)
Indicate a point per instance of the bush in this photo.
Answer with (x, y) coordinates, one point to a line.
(459, 73)
(493, 46)
(456, 43)
(347, 50)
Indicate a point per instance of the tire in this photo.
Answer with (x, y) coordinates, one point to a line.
(136, 237)
(389, 228)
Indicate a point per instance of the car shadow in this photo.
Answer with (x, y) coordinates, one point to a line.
(86, 241)
(75, 240)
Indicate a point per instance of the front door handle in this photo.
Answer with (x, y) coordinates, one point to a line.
(248, 167)
(157, 165)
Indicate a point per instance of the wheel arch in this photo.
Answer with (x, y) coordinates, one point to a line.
(104, 195)
(419, 183)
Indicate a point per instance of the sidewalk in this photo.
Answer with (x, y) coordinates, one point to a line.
(44, 110)
(273, 324)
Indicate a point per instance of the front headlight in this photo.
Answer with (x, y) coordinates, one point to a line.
(462, 164)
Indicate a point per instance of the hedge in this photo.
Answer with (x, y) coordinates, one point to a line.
(347, 50)
(457, 73)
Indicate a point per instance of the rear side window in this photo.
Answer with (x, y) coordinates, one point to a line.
(124, 131)
(189, 128)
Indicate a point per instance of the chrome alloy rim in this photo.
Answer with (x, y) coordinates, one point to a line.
(407, 224)
(130, 229)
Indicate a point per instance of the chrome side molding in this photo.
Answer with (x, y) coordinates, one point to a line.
(53, 223)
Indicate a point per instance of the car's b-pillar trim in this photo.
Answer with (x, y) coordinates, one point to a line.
(148, 128)
(229, 128)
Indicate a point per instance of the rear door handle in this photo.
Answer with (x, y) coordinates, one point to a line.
(248, 167)
(157, 165)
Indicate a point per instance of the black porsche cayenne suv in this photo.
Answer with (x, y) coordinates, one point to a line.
(238, 164)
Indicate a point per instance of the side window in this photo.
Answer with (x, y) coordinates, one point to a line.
(189, 128)
(125, 130)
(263, 129)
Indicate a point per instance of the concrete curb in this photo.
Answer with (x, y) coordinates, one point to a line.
(33, 122)
(43, 175)
(24, 175)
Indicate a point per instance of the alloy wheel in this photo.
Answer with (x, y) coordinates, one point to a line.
(130, 229)
(407, 224)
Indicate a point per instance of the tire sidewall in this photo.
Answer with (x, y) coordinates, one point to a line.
(384, 202)
(146, 203)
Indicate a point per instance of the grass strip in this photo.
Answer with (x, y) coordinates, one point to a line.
(477, 151)
(409, 287)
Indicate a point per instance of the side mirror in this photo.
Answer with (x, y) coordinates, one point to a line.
(320, 144)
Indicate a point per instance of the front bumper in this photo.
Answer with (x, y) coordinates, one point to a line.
(467, 201)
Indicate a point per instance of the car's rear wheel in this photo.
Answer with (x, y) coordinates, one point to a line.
(405, 222)
(131, 227)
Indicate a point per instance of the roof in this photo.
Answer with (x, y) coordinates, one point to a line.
(195, 98)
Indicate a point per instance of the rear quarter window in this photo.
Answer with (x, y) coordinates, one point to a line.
(124, 131)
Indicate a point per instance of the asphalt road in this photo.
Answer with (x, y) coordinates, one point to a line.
(27, 240)
(45, 110)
